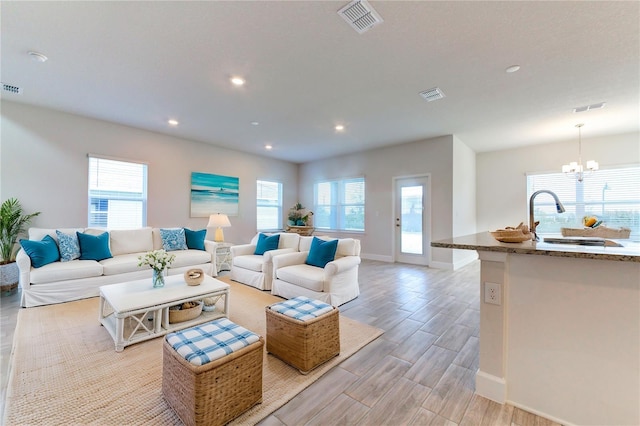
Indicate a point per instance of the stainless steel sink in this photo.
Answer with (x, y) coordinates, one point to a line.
(582, 241)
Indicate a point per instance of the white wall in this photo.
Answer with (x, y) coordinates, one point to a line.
(464, 200)
(501, 180)
(44, 164)
(379, 167)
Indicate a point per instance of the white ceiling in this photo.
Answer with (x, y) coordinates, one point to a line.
(141, 63)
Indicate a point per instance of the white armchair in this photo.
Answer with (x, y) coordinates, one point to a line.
(257, 270)
(336, 283)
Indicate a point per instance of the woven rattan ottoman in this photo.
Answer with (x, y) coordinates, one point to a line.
(303, 332)
(212, 373)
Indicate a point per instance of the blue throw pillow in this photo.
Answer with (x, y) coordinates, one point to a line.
(321, 252)
(94, 247)
(267, 243)
(195, 239)
(41, 252)
(173, 239)
(68, 246)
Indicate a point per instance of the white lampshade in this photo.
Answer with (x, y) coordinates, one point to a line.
(219, 221)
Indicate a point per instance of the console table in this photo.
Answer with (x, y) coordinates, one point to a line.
(302, 230)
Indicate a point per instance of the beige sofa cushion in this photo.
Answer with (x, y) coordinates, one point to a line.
(62, 271)
(253, 262)
(190, 257)
(307, 276)
(122, 264)
(125, 241)
(38, 234)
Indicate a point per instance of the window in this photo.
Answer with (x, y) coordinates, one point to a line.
(117, 194)
(339, 205)
(612, 195)
(269, 205)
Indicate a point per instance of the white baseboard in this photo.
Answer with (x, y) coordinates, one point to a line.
(491, 387)
(541, 414)
(377, 257)
(441, 265)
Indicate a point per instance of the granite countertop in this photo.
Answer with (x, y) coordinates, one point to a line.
(483, 241)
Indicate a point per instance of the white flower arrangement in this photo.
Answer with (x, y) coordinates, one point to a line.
(158, 260)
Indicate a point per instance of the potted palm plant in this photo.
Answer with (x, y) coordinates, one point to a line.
(13, 223)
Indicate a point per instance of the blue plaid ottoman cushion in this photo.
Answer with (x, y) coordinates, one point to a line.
(207, 342)
(302, 308)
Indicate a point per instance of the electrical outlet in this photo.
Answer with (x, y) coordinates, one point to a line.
(492, 293)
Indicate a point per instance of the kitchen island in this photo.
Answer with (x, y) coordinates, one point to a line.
(564, 339)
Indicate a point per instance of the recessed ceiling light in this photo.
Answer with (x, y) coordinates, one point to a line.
(254, 123)
(173, 122)
(513, 68)
(237, 81)
(268, 147)
(37, 56)
(339, 127)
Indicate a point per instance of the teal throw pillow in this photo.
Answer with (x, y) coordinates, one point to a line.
(266, 243)
(321, 252)
(68, 246)
(173, 239)
(41, 252)
(195, 239)
(94, 247)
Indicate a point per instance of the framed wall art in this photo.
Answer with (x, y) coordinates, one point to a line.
(212, 194)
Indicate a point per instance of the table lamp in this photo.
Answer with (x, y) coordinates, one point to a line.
(218, 221)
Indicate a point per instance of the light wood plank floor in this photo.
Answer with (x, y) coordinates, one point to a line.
(420, 372)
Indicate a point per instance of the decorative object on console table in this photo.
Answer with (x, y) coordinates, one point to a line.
(219, 221)
(13, 223)
(302, 230)
(158, 260)
(298, 216)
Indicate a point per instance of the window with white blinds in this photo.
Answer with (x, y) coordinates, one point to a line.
(268, 205)
(339, 205)
(612, 195)
(117, 194)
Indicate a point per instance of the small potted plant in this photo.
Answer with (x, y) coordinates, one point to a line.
(296, 215)
(13, 223)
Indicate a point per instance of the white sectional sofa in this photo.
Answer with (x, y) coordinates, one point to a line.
(78, 279)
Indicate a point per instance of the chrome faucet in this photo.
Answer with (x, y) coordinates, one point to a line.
(532, 222)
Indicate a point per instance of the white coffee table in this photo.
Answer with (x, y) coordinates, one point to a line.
(135, 311)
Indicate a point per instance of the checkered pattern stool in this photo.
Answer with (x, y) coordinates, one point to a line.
(212, 373)
(303, 332)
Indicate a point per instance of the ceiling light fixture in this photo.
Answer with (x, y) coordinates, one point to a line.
(254, 123)
(513, 68)
(237, 81)
(37, 56)
(173, 122)
(575, 169)
(339, 127)
(268, 147)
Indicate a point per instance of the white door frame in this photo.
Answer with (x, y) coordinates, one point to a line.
(425, 257)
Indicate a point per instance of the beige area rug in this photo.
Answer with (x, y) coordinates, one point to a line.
(65, 371)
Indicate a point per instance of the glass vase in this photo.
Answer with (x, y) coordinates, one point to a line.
(158, 278)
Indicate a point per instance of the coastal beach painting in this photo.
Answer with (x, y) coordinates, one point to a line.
(212, 194)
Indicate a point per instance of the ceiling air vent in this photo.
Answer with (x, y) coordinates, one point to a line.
(432, 94)
(12, 89)
(360, 15)
(589, 107)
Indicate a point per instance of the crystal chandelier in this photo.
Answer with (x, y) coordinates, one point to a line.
(577, 170)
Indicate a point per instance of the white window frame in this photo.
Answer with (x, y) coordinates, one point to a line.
(337, 205)
(263, 205)
(106, 196)
(611, 194)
